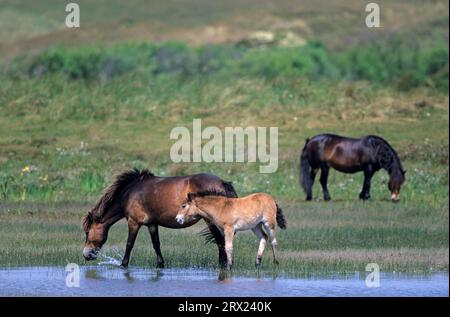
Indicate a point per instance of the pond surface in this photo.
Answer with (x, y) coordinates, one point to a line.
(114, 281)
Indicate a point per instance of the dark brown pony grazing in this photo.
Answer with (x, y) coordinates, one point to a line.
(148, 200)
(348, 155)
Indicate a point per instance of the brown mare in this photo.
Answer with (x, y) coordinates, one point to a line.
(148, 200)
(236, 214)
(348, 155)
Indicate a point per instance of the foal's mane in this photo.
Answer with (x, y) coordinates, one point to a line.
(113, 192)
(213, 192)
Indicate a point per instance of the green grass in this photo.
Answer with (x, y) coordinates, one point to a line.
(55, 167)
(66, 128)
(321, 237)
(63, 141)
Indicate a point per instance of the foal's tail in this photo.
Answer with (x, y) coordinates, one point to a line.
(305, 169)
(281, 221)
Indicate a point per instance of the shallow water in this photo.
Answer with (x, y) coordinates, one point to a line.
(114, 281)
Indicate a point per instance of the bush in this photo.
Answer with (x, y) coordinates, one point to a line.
(406, 64)
(393, 61)
(85, 63)
(312, 61)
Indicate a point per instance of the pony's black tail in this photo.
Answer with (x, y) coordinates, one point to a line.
(305, 171)
(281, 221)
(207, 234)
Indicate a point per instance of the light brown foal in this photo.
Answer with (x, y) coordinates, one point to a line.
(236, 214)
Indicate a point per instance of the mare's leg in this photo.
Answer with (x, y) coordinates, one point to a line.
(365, 192)
(309, 190)
(262, 242)
(229, 235)
(153, 229)
(220, 241)
(270, 228)
(325, 169)
(133, 229)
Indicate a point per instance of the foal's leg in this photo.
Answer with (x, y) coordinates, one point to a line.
(153, 229)
(365, 192)
(229, 235)
(262, 242)
(133, 229)
(324, 180)
(270, 227)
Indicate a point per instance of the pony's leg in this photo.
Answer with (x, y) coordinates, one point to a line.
(133, 229)
(309, 190)
(323, 181)
(229, 235)
(365, 192)
(270, 228)
(262, 242)
(220, 241)
(154, 234)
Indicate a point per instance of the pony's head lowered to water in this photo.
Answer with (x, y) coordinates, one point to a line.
(96, 235)
(107, 211)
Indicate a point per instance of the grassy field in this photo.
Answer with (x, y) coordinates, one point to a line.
(75, 110)
(321, 237)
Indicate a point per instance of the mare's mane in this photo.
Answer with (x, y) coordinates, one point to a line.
(115, 191)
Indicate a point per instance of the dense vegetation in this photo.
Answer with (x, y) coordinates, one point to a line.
(394, 61)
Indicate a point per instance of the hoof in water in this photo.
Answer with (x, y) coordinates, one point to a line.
(160, 265)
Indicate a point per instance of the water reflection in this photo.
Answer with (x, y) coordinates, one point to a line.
(112, 281)
(158, 275)
(128, 276)
(225, 275)
(93, 274)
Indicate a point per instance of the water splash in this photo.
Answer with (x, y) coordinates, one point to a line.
(111, 260)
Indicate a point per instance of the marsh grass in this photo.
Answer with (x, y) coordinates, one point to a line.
(321, 237)
(78, 137)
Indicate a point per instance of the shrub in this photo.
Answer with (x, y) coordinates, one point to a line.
(395, 61)
(311, 61)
